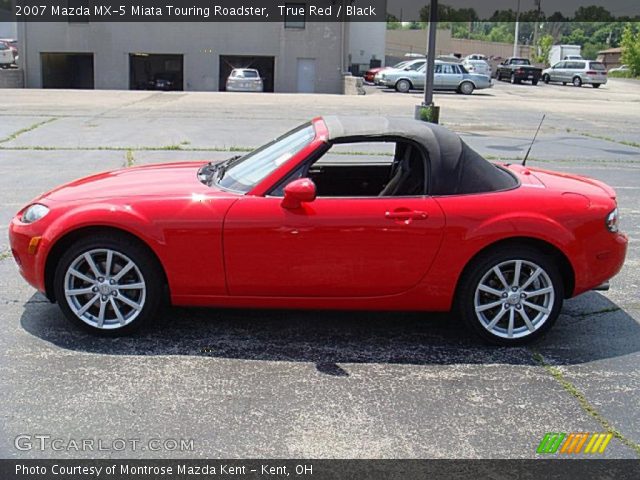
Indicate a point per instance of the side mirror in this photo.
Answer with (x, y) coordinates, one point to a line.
(297, 192)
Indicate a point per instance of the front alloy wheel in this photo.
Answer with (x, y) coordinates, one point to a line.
(109, 285)
(510, 299)
(105, 289)
(403, 86)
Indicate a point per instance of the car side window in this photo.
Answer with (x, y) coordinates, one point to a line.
(438, 68)
(365, 169)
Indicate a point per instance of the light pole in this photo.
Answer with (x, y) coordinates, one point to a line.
(515, 39)
(427, 111)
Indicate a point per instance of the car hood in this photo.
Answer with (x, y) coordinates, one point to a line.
(150, 180)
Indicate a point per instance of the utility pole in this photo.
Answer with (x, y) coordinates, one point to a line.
(517, 32)
(428, 111)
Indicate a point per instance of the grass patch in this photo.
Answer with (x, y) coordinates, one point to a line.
(609, 139)
(129, 159)
(16, 134)
(572, 390)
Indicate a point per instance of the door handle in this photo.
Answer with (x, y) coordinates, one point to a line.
(406, 215)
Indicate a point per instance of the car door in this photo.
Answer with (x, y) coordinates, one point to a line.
(330, 247)
(451, 77)
(555, 75)
(437, 76)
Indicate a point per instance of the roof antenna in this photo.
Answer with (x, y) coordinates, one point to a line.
(524, 161)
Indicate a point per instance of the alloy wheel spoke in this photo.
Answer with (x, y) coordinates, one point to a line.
(92, 265)
(542, 291)
(500, 276)
(512, 319)
(129, 302)
(527, 320)
(539, 308)
(496, 319)
(117, 311)
(109, 261)
(124, 271)
(130, 286)
(532, 278)
(81, 275)
(79, 291)
(488, 306)
(516, 273)
(88, 305)
(492, 291)
(103, 305)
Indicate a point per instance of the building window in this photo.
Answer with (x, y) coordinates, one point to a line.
(294, 21)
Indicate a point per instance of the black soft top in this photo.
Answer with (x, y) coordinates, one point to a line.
(455, 168)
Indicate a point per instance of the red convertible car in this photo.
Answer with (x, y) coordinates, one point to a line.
(340, 213)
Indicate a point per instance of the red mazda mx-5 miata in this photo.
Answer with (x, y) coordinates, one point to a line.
(340, 213)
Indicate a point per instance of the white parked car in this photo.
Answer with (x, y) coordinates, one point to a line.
(6, 55)
(244, 80)
(477, 66)
(621, 68)
(410, 66)
(475, 56)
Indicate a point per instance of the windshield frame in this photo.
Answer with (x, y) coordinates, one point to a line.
(225, 166)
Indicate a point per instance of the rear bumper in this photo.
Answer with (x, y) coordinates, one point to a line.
(602, 263)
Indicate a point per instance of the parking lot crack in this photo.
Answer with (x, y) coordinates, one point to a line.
(584, 403)
(30, 128)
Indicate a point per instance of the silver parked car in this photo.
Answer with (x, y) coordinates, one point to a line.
(409, 66)
(577, 72)
(447, 76)
(244, 80)
(477, 66)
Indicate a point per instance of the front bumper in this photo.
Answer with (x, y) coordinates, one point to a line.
(31, 264)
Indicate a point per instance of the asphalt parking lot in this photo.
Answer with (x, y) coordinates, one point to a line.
(287, 384)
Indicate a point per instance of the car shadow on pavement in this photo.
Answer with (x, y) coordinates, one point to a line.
(590, 328)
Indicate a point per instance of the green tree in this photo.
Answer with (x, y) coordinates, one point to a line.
(393, 22)
(543, 48)
(630, 45)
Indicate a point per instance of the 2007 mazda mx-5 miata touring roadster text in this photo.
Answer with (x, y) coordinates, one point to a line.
(339, 213)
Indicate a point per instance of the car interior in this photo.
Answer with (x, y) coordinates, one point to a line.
(373, 169)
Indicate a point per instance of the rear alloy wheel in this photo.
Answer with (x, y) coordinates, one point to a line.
(577, 82)
(403, 86)
(108, 285)
(511, 298)
(466, 88)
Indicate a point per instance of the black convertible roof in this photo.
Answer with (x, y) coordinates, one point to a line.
(454, 167)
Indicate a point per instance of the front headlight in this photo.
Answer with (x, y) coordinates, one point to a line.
(612, 221)
(34, 213)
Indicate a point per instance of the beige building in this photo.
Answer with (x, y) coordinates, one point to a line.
(401, 42)
(294, 57)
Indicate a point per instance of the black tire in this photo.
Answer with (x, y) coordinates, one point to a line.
(482, 266)
(546, 78)
(466, 88)
(534, 82)
(564, 84)
(513, 79)
(577, 82)
(147, 266)
(498, 76)
(596, 85)
(403, 86)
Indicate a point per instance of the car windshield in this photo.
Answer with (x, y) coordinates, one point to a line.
(519, 61)
(244, 173)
